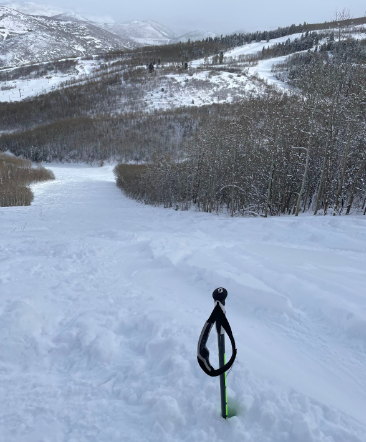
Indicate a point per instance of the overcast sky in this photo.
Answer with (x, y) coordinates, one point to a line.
(217, 16)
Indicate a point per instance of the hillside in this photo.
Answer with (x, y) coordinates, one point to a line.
(27, 38)
(133, 33)
(148, 102)
(31, 8)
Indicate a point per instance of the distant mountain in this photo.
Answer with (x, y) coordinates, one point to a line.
(31, 8)
(30, 32)
(69, 16)
(141, 32)
(28, 38)
(195, 35)
(150, 32)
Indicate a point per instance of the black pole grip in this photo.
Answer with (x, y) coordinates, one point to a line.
(220, 294)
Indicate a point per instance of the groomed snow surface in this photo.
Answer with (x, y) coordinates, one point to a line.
(102, 301)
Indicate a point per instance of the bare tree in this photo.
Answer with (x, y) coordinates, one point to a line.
(340, 17)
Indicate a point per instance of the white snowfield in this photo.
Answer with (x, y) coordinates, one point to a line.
(20, 89)
(102, 301)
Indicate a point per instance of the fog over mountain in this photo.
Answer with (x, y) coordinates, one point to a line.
(211, 16)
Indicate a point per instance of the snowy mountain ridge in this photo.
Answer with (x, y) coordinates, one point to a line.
(141, 33)
(32, 8)
(47, 33)
(69, 16)
(27, 38)
(195, 35)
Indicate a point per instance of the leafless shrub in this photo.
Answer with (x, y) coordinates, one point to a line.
(8, 87)
(129, 179)
(15, 196)
(15, 175)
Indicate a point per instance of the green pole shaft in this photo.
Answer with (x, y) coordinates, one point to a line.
(222, 361)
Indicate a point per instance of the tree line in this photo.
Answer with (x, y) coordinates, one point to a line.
(279, 153)
(192, 50)
(306, 41)
(38, 70)
(131, 137)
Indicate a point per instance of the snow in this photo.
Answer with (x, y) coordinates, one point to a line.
(102, 301)
(251, 48)
(42, 38)
(195, 87)
(264, 71)
(23, 88)
(255, 47)
(263, 68)
(146, 32)
(198, 88)
(32, 8)
(357, 35)
(194, 35)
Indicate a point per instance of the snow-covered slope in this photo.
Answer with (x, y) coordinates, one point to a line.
(26, 38)
(30, 86)
(134, 33)
(263, 68)
(102, 301)
(44, 37)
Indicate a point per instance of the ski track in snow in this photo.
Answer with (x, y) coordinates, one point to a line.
(102, 301)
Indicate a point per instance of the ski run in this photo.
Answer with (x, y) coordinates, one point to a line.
(102, 301)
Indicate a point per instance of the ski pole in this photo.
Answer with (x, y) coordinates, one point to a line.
(220, 295)
(203, 355)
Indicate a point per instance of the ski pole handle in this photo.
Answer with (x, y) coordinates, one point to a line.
(220, 294)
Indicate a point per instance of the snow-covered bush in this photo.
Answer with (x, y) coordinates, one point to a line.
(15, 176)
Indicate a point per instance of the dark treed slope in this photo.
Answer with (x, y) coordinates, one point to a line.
(213, 45)
(278, 154)
(132, 137)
